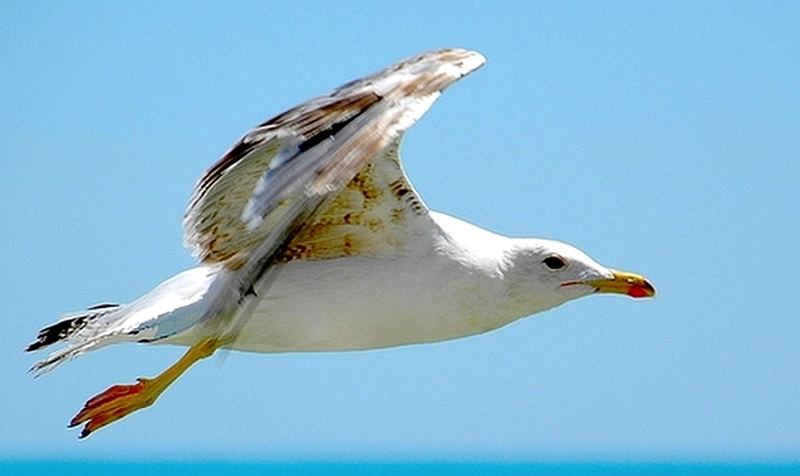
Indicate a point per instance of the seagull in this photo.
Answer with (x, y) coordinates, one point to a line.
(311, 238)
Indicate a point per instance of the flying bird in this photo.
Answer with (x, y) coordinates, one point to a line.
(310, 237)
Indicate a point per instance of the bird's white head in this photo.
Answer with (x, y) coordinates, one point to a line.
(543, 274)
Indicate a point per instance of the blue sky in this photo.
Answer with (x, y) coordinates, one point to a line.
(658, 137)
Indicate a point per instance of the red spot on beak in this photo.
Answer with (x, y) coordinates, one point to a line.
(638, 292)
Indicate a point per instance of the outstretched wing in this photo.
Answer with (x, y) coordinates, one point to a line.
(296, 179)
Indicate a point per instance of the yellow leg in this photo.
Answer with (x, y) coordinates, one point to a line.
(121, 400)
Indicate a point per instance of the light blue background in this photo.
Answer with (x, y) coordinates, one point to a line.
(659, 137)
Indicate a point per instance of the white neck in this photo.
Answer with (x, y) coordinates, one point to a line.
(496, 265)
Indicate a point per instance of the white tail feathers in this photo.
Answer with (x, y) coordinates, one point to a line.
(172, 307)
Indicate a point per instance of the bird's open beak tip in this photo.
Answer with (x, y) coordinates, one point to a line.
(644, 290)
(623, 282)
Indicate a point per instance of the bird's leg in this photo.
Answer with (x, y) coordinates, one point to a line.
(120, 400)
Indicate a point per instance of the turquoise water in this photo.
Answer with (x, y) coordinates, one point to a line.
(88, 468)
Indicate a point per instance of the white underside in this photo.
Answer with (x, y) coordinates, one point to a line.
(432, 290)
(359, 304)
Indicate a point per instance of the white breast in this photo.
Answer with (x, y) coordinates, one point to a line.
(434, 290)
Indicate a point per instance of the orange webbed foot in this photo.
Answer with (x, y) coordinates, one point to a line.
(112, 404)
(121, 400)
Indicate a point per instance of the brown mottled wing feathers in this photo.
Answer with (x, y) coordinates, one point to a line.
(337, 188)
(370, 215)
(213, 225)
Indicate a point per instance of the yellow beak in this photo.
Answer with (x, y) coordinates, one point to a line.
(622, 282)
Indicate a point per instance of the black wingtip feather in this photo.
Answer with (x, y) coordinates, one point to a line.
(69, 326)
(57, 331)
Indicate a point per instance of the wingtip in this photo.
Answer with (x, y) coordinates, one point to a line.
(33, 346)
(468, 60)
(474, 60)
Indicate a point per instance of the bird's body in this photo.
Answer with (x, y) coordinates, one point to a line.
(451, 280)
(365, 302)
(311, 238)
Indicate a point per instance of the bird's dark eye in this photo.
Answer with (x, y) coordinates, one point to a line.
(554, 262)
